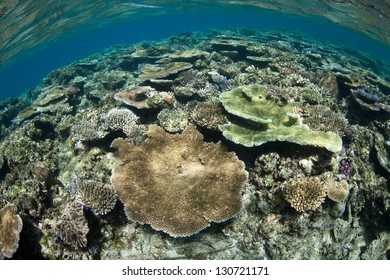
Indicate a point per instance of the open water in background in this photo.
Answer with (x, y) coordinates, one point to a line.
(29, 69)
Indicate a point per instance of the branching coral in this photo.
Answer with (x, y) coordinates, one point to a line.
(90, 128)
(305, 193)
(173, 120)
(209, 114)
(125, 120)
(176, 182)
(10, 228)
(101, 198)
(321, 118)
(96, 125)
(72, 229)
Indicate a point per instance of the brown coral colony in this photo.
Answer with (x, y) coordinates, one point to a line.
(178, 183)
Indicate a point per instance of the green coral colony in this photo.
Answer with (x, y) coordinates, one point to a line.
(215, 145)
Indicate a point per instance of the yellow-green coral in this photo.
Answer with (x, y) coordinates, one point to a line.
(262, 119)
(176, 182)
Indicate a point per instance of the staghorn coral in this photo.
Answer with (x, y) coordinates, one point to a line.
(101, 198)
(209, 114)
(176, 182)
(304, 193)
(96, 125)
(10, 228)
(72, 229)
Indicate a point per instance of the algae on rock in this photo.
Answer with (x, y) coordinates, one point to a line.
(262, 119)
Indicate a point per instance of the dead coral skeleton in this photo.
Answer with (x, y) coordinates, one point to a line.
(176, 182)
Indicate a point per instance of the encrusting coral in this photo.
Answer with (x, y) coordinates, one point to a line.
(305, 193)
(176, 182)
(262, 120)
(72, 228)
(10, 228)
(101, 198)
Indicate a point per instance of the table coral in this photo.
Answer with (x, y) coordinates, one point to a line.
(10, 228)
(262, 119)
(176, 182)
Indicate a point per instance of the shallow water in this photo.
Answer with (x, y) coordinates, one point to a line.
(248, 133)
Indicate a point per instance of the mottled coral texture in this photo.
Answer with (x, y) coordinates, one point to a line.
(176, 182)
(10, 228)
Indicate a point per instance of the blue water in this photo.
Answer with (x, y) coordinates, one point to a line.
(28, 71)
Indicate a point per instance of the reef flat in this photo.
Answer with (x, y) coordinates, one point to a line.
(236, 144)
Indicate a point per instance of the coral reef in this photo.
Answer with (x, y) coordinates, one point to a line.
(159, 71)
(178, 183)
(129, 113)
(10, 228)
(337, 191)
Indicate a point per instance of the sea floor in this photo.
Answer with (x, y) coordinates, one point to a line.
(235, 144)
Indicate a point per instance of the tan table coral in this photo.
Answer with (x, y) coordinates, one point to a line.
(161, 71)
(176, 182)
(10, 228)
